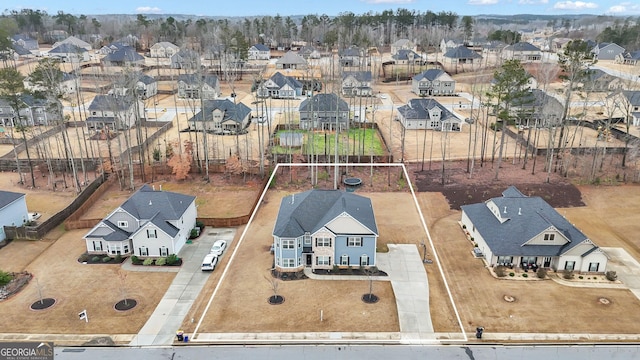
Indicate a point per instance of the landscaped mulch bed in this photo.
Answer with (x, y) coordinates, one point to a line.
(125, 304)
(19, 281)
(43, 304)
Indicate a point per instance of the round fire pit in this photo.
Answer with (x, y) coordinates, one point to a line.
(352, 181)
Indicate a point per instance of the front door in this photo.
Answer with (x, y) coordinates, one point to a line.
(309, 259)
(547, 262)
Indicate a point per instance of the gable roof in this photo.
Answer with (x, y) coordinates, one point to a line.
(7, 197)
(20, 50)
(164, 44)
(522, 46)
(66, 48)
(461, 52)
(291, 58)
(633, 97)
(634, 55)
(527, 218)
(236, 112)
(417, 109)
(403, 54)
(282, 80)
(146, 203)
(324, 103)
(123, 54)
(360, 76)
(432, 74)
(260, 47)
(110, 103)
(146, 79)
(74, 41)
(311, 210)
(350, 51)
(211, 80)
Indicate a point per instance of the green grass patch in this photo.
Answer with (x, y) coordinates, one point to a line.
(365, 142)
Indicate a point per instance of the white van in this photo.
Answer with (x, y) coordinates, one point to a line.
(209, 262)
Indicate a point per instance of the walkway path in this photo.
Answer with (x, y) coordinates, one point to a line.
(626, 267)
(161, 327)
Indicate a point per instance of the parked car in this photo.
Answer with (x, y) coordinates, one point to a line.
(209, 262)
(218, 247)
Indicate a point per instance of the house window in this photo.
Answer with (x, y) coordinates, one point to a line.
(353, 241)
(125, 248)
(307, 240)
(529, 259)
(97, 245)
(288, 244)
(344, 260)
(143, 251)
(323, 242)
(164, 252)
(569, 265)
(549, 237)
(593, 267)
(288, 263)
(152, 233)
(364, 260)
(323, 260)
(122, 224)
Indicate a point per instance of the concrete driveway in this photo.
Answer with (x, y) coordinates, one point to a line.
(626, 267)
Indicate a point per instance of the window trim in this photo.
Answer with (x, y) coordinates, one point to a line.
(344, 260)
(354, 241)
(288, 244)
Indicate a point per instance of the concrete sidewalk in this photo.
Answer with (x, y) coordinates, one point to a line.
(167, 318)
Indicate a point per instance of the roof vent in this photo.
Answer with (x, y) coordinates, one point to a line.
(150, 203)
(519, 211)
(505, 210)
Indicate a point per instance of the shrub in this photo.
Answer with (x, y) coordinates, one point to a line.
(580, 277)
(500, 271)
(512, 274)
(5, 278)
(541, 273)
(95, 259)
(525, 275)
(200, 224)
(567, 274)
(172, 259)
(147, 262)
(194, 234)
(84, 257)
(335, 268)
(611, 275)
(161, 261)
(106, 259)
(119, 258)
(134, 258)
(464, 226)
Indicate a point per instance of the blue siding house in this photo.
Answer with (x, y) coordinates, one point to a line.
(322, 228)
(13, 210)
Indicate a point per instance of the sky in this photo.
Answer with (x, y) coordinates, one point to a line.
(329, 7)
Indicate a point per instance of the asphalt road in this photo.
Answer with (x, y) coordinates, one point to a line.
(475, 352)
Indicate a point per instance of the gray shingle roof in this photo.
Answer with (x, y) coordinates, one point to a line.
(146, 204)
(430, 74)
(358, 75)
(311, 210)
(291, 58)
(527, 217)
(67, 49)
(404, 54)
(522, 46)
(110, 103)
(7, 197)
(260, 47)
(146, 79)
(324, 102)
(282, 80)
(236, 112)
(194, 79)
(125, 54)
(633, 96)
(20, 50)
(419, 109)
(461, 52)
(350, 51)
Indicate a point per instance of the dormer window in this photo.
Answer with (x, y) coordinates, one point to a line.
(549, 237)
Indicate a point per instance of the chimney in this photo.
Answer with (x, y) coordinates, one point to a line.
(505, 210)
(519, 211)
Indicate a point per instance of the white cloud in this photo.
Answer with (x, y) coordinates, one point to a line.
(625, 7)
(148, 10)
(533, 2)
(574, 5)
(482, 2)
(388, 1)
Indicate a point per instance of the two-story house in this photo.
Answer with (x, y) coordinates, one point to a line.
(221, 117)
(629, 58)
(13, 211)
(407, 57)
(525, 231)
(194, 86)
(151, 223)
(259, 52)
(69, 53)
(324, 111)
(320, 229)
(163, 49)
(280, 86)
(309, 52)
(33, 111)
(125, 56)
(356, 83)
(461, 55)
(114, 112)
(185, 59)
(352, 56)
(607, 51)
(632, 98)
(402, 44)
(428, 114)
(433, 82)
(144, 86)
(72, 40)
